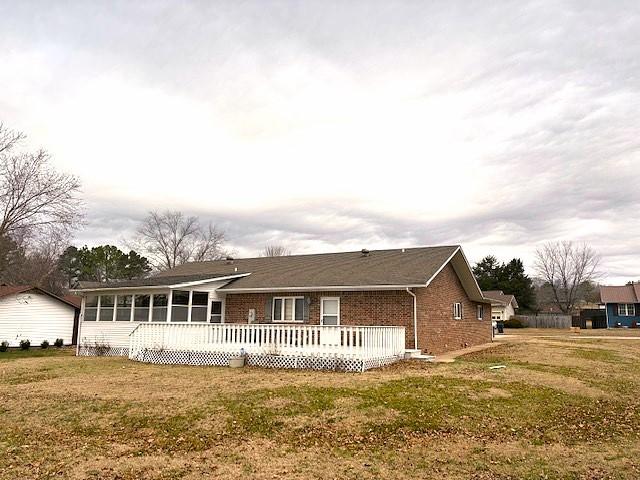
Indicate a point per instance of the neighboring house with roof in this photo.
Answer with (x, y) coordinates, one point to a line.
(336, 305)
(31, 313)
(622, 305)
(503, 306)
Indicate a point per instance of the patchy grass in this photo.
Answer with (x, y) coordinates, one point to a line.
(560, 409)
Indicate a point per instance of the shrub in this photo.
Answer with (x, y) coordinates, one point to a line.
(59, 342)
(4, 346)
(44, 344)
(25, 344)
(514, 323)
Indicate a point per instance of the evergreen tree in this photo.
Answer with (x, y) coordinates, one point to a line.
(104, 263)
(508, 277)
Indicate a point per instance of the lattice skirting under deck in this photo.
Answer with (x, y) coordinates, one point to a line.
(221, 359)
(102, 351)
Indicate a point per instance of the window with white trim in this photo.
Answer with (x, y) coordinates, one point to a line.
(106, 310)
(457, 311)
(480, 312)
(160, 304)
(141, 308)
(123, 308)
(91, 308)
(287, 309)
(180, 306)
(626, 310)
(330, 311)
(199, 304)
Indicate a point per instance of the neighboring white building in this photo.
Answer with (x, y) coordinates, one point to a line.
(30, 313)
(503, 307)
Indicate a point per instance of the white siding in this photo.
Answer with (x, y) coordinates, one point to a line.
(113, 334)
(35, 317)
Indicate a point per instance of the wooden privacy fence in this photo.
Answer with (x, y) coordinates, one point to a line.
(545, 320)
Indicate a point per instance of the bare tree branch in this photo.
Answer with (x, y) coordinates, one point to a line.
(566, 267)
(275, 251)
(170, 238)
(33, 195)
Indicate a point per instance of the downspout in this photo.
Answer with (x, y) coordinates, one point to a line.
(415, 319)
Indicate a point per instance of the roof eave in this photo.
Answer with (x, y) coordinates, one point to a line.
(168, 286)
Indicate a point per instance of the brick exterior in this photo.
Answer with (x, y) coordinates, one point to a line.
(387, 307)
(437, 330)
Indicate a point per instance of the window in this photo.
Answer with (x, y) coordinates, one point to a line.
(330, 311)
(457, 311)
(480, 312)
(216, 312)
(626, 310)
(91, 308)
(199, 302)
(159, 310)
(123, 308)
(288, 309)
(106, 308)
(180, 306)
(141, 308)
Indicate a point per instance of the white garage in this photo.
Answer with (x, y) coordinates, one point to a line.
(30, 313)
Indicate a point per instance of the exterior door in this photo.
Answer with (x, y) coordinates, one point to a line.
(216, 312)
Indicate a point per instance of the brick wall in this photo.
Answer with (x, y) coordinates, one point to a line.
(387, 307)
(438, 332)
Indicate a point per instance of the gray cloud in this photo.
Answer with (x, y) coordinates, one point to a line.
(562, 77)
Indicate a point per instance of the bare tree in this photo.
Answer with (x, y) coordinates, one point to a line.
(33, 195)
(170, 238)
(275, 251)
(566, 267)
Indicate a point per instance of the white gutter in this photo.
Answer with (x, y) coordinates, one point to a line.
(415, 319)
(319, 288)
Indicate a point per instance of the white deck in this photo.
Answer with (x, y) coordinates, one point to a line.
(213, 343)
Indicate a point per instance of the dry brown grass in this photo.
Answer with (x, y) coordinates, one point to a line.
(561, 409)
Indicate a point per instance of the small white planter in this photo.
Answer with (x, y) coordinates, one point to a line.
(236, 362)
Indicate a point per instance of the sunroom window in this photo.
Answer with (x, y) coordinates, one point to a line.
(106, 308)
(199, 303)
(91, 308)
(141, 308)
(159, 311)
(123, 308)
(180, 306)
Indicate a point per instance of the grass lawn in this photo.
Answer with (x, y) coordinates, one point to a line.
(560, 409)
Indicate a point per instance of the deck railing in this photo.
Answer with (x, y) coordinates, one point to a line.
(347, 342)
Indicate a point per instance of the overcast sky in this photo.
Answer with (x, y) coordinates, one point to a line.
(330, 126)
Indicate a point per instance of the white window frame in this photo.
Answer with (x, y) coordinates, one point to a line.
(480, 311)
(628, 312)
(457, 311)
(322, 314)
(293, 312)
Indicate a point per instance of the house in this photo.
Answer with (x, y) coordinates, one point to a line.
(503, 306)
(31, 313)
(359, 309)
(622, 305)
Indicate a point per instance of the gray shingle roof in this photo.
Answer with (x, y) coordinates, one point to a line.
(413, 266)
